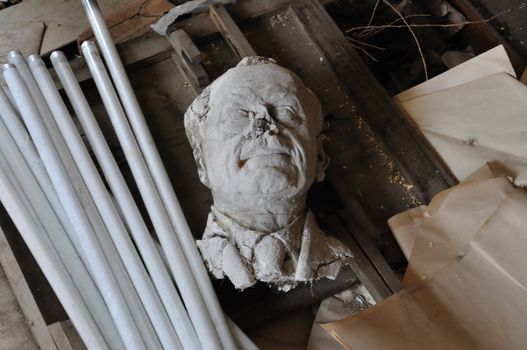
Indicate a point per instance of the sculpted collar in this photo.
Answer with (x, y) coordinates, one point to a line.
(299, 252)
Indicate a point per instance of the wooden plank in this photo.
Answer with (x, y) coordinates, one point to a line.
(63, 20)
(133, 20)
(27, 303)
(362, 230)
(73, 337)
(414, 157)
(230, 32)
(281, 304)
(360, 263)
(14, 331)
(25, 37)
(188, 58)
(65, 336)
(59, 336)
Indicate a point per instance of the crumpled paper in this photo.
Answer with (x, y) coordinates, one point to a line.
(192, 6)
(337, 307)
(466, 286)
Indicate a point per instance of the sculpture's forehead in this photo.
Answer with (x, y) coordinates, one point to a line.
(268, 80)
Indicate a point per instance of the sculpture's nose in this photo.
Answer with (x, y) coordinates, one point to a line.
(261, 123)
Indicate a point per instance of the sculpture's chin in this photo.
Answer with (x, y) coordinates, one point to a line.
(269, 181)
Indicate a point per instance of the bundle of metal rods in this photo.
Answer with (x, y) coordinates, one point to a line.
(92, 243)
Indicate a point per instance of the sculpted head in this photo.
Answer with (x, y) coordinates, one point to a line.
(255, 133)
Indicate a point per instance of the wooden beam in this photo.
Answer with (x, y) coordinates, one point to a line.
(230, 32)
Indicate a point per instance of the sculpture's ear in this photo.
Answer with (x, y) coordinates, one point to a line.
(322, 159)
(194, 115)
(202, 171)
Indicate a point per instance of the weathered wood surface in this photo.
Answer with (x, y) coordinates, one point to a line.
(14, 332)
(21, 324)
(42, 304)
(63, 20)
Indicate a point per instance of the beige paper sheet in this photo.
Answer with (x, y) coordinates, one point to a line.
(448, 226)
(475, 123)
(477, 299)
(405, 227)
(488, 63)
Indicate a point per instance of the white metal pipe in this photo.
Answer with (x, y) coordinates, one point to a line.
(51, 266)
(54, 229)
(32, 205)
(20, 135)
(106, 207)
(156, 167)
(17, 59)
(62, 184)
(126, 202)
(116, 265)
(165, 232)
(6, 91)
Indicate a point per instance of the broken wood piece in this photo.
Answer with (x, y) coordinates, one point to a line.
(230, 31)
(188, 58)
(132, 21)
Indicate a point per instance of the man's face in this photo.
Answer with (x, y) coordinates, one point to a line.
(259, 138)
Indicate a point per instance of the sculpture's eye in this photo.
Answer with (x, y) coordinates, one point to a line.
(284, 114)
(242, 113)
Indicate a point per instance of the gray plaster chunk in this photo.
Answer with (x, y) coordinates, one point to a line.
(255, 135)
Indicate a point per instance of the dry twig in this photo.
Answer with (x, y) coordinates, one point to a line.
(370, 30)
(384, 26)
(413, 35)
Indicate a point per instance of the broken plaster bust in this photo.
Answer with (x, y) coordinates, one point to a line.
(255, 134)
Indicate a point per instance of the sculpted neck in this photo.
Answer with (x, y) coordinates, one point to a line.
(261, 214)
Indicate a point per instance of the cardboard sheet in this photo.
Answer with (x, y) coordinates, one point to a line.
(473, 295)
(475, 123)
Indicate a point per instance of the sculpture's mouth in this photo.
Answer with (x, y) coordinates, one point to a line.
(273, 157)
